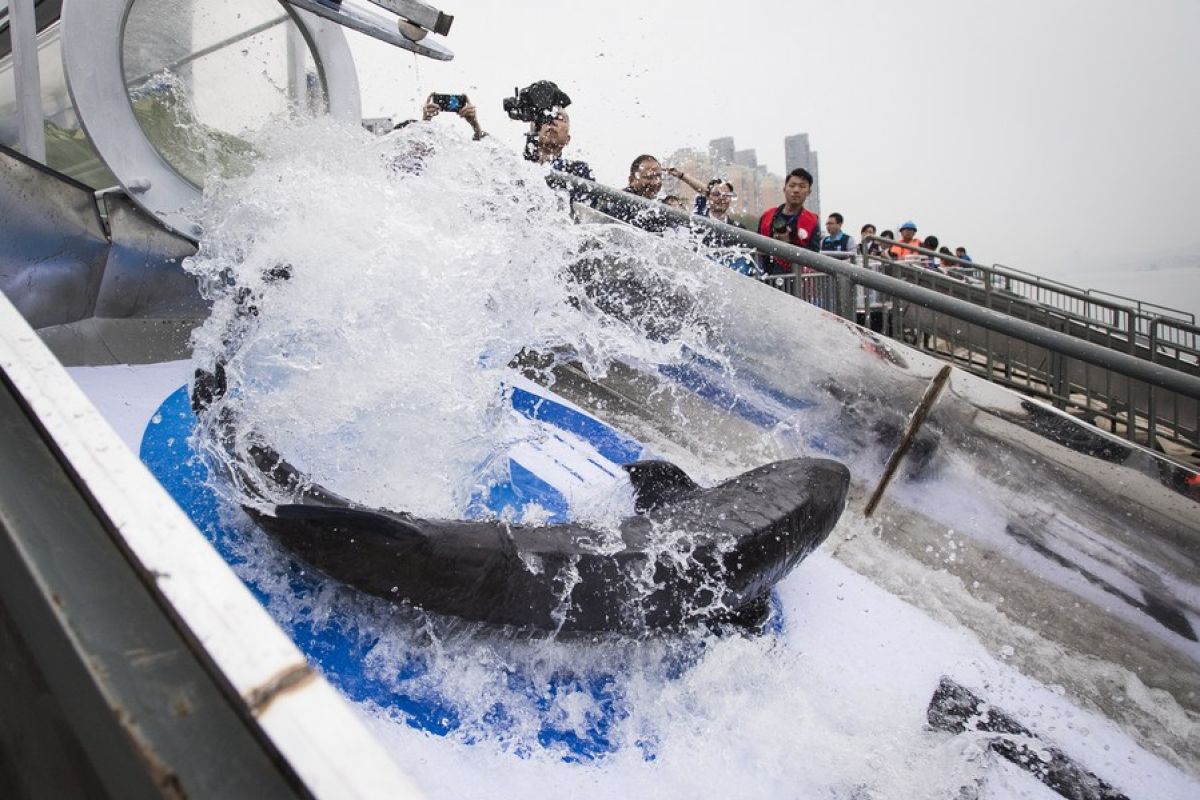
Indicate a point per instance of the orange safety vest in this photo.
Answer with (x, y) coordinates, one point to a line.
(898, 252)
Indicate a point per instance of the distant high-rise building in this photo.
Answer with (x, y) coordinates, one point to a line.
(814, 202)
(721, 150)
(756, 187)
(797, 154)
(745, 158)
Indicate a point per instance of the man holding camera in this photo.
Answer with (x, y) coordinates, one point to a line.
(790, 222)
(543, 105)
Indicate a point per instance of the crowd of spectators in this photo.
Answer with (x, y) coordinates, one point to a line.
(903, 249)
(543, 106)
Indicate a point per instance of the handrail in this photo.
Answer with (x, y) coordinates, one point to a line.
(1136, 311)
(1186, 327)
(1149, 372)
(1035, 279)
(1177, 324)
(1131, 321)
(1031, 277)
(1183, 316)
(1131, 317)
(1042, 280)
(1066, 290)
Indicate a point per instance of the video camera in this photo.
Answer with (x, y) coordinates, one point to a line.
(536, 102)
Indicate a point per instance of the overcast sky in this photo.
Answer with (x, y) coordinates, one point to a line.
(1043, 134)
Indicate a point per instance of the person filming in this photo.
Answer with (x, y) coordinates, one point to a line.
(543, 105)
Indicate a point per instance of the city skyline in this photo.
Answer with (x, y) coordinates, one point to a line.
(756, 188)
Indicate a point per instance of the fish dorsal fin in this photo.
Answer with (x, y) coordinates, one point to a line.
(657, 482)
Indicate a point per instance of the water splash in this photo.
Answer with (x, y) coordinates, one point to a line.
(422, 254)
(370, 294)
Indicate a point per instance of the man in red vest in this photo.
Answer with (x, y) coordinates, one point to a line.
(791, 222)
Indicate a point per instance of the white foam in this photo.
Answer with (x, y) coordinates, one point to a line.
(834, 707)
(445, 275)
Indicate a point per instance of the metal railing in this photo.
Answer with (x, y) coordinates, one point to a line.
(1103, 370)
(1173, 327)
(1042, 289)
(1125, 326)
(1116, 318)
(819, 288)
(1101, 396)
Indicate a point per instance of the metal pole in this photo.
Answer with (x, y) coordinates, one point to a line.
(297, 49)
(915, 422)
(196, 55)
(1058, 378)
(1131, 366)
(987, 334)
(1131, 332)
(31, 131)
(1041, 285)
(845, 297)
(1151, 401)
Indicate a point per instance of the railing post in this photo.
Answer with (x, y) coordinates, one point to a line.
(1058, 379)
(1151, 398)
(844, 289)
(1131, 411)
(987, 333)
(890, 308)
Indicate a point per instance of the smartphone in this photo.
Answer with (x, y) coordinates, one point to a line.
(449, 102)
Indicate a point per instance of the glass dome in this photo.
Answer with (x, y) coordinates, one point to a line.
(158, 96)
(174, 92)
(181, 57)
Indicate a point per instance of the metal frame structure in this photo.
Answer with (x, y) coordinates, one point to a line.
(1103, 396)
(405, 35)
(27, 74)
(93, 36)
(1123, 317)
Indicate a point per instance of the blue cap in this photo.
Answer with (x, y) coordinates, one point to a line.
(910, 225)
